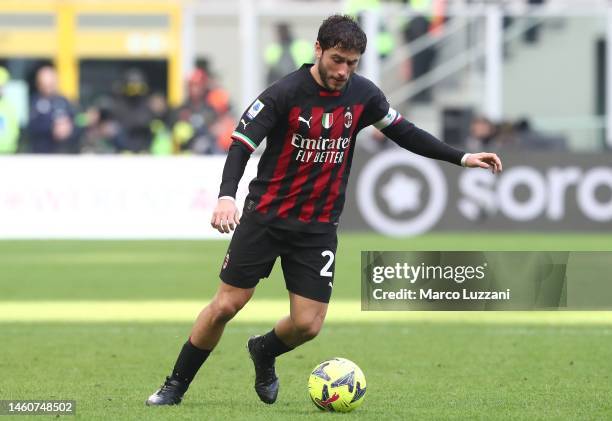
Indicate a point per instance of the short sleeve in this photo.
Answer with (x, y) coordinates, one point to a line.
(259, 119)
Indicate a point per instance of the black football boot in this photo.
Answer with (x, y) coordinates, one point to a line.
(266, 382)
(170, 393)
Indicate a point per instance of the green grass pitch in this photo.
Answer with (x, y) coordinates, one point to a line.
(101, 322)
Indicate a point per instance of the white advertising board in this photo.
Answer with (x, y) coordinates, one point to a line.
(123, 197)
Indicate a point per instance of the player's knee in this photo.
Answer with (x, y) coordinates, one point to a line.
(311, 332)
(225, 309)
(308, 328)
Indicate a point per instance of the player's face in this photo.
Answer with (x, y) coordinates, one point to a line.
(336, 66)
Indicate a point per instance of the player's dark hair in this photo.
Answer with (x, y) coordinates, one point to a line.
(341, 31)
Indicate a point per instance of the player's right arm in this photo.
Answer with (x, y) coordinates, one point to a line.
(226, 216)
(254, 126)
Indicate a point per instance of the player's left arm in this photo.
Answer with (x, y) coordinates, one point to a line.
(417, 140)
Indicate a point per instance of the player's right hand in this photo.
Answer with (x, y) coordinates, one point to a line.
(225, 217)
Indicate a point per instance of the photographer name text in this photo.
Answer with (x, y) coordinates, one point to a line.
(433, 295)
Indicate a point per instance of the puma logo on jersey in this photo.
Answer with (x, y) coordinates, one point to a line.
(244, 123)
(300, 118)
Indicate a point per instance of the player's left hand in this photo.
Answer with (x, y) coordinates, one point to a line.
(484, 160)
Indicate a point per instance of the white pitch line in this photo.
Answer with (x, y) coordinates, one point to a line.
(340, 311)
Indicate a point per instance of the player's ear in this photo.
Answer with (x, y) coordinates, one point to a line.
(318, 50)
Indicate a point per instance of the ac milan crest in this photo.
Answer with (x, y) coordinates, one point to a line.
(348, 119)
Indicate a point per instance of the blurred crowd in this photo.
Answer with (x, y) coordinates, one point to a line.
(509, 135)
(132, 119)
(135, 120)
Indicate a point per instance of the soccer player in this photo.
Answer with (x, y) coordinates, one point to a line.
(310, 119)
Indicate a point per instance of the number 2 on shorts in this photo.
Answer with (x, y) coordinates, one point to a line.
(325, 271)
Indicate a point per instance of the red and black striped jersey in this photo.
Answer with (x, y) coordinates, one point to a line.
(310, 139)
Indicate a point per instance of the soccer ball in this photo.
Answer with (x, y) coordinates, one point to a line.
(337, 385)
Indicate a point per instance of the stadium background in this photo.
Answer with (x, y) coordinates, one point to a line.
(106, 254)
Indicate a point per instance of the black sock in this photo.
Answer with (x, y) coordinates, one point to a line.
(189, 362)
(271, 346)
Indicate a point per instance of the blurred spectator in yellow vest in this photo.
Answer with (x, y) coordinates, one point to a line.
(286, 54)
(384, 42)
(428, 21)
(161, 143)
(434, 11)
(9, 123)
(132, 111)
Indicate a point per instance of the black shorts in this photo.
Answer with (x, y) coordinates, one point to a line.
(307, 259)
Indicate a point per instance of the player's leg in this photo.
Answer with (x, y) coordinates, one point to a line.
(208, 328)
(308, 266)
(303, 323)
(205, 335)
(250, 257)
(309, 276)
(211, 321)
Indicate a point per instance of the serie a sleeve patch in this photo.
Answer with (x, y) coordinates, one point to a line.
(255, 109)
